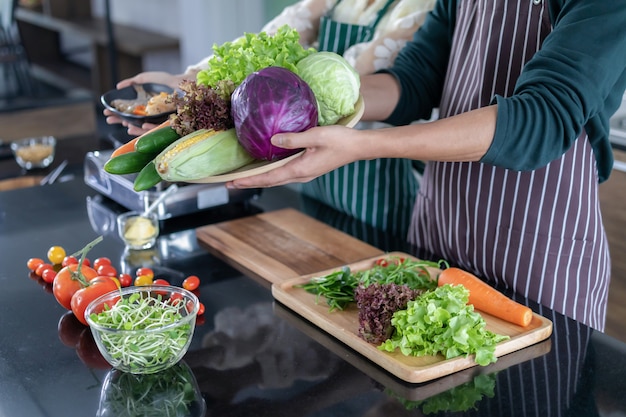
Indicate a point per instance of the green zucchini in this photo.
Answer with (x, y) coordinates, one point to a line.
(157, 140)
(147, 178)
(128, 163)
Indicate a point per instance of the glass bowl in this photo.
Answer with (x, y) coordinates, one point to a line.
(138, 230)
(143, 330)
(32, 153)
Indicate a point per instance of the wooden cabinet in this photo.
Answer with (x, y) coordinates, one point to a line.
(119, 56)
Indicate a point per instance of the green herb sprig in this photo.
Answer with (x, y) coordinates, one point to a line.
(338, 287)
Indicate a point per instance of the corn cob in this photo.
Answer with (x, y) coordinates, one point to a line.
(202, 154)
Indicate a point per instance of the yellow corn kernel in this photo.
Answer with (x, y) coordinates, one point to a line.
(182, 143)
(201, 154)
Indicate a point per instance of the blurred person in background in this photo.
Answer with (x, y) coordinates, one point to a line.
(369, 34)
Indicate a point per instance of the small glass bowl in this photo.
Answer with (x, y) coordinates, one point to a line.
(34, 152)
(138, 231)
(144, 350)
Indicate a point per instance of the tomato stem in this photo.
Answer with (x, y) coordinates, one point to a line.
(78, 274)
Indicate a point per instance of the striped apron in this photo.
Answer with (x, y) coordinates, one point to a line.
(380, 192)
(538, 232)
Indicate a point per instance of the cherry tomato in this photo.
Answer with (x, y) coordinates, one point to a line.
(191, 283)
(142, 280)
(86, 262)
(66, 283)
(144, 271)
(160, 281)
(201, 309)
(48, 275)
(68, 260)
(56, 254)
(101, 261)
(88, 352)
(106, 270)
(382, 262)
(69, 329)
(175, 298)
(98, 286)
(33, 263)
(125, 280)
(43, 267)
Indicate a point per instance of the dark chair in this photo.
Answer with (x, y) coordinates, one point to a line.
(15, 75)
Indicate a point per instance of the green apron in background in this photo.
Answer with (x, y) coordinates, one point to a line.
(381, 192)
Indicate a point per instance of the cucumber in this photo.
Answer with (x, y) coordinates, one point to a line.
(155, 141)
(128, 163)
(147, 178)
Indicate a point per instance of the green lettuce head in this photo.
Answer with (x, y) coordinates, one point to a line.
(334, 82)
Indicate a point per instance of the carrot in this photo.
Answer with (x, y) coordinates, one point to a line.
(486, 298)
(140, 110)
(130, 145)
(125, 148)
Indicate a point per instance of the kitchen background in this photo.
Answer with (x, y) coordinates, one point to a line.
(197, 24)
(69, 51)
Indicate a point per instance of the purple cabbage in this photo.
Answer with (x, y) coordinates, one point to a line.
(272, 100)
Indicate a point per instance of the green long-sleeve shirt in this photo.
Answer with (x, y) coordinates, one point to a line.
(577, 80)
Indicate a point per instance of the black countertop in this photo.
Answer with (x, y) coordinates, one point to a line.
(251, 356)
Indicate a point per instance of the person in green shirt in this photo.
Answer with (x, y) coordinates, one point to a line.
(525, 90)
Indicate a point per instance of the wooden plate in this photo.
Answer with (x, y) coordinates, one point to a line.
(259, 167)
(343, 325)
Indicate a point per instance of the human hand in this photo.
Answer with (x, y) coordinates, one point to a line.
(158, 77)
(112, 118)
(326, 148)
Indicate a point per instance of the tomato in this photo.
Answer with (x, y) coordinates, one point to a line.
(143, 271)
(56, 254)
(382, 262)
(125, 280)
(101, 261)
(68, 281)
(142, 280)
(69, 329)
(106, 270)
(117, 282)
(160, 281)
(201, 309)
(88, 352)
(175, 298)
(82, 297)
(33, 263)
(42, 267)
(68, 260)
(48, 275)
(191, 283)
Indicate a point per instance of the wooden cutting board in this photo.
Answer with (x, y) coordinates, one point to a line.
(282, 244)
(344, 324)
